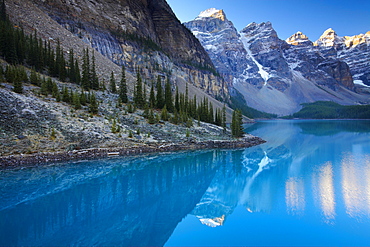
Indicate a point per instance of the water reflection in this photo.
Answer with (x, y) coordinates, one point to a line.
(109, 202)
(356, 183)
(322, 182)
(300, 162)
(295, 196)
(305, 176)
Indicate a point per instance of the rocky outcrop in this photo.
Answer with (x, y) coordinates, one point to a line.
(339, 71)
(299, 39)
(329, 39)
(352, 50)
(275, 75)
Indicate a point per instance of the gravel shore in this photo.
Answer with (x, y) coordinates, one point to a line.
(92, 153)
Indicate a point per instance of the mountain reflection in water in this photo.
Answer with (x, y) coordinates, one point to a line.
(315, 162)
(309, 184)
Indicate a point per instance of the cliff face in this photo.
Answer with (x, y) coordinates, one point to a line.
(354, 51)
(134, 33)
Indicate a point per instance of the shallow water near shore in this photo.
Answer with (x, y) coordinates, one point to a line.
(308, 185)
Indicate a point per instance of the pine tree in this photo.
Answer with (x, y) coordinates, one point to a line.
(10, 51)
(3, 15)
(65, 95)
(94, 106)
(85, 80)
(138, 96)
(93, 76)
(83, 98)
(17, 86)
(193, 111)
(34, 78)
(223, 118)
(164, 113)
(77, 73)
(71, 65)
(76, 101)
(2, 78)
(160, 100)
(51, 62)
(49, 84)
(57, 96)
(176, 118)
(152, 101)
(168, 96)
(144, 94)
(182, 102)
(60, 63)
(20, 44)
(186, 103)
(44, 87)
(210, 113)
(151, 118)
(54, 90)
(123, 87)
(112, 84)
(177, 100)
(237, 124)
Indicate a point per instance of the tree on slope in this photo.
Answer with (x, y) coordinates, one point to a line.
(237, 124)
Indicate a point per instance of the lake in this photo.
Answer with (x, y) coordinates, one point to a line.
(309, 184)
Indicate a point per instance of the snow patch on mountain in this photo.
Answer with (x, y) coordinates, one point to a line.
(264, 74)
(208, 12)
(359, 82)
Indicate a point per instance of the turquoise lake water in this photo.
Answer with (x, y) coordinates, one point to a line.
(308, 185)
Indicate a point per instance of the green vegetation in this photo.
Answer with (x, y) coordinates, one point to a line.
(23, 51)
(237, 129)
(145, 42)
(123, 87)
(112, 83)
(199, 66)
(331, 110)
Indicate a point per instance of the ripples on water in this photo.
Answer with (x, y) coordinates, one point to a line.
(308, 185)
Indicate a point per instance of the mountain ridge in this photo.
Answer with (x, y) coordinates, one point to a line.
(277, 76)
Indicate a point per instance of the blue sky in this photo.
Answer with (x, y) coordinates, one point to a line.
(312, 17)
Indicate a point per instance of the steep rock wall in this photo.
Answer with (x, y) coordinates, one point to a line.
(141, 34)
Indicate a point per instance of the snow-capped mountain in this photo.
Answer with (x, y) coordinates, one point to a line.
(276, 76)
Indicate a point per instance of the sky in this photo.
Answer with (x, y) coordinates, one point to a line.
(311, 17)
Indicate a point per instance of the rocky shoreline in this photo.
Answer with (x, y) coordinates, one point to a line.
(13, 161)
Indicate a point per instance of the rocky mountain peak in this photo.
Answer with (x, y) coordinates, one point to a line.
(298, 39)
(329, 39)
(261, 29)
(352, 41)
(214, 13)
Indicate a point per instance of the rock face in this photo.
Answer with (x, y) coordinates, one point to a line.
(277, 76)
(141, 34)
(222, 42)
(355, 51)
(299, 39)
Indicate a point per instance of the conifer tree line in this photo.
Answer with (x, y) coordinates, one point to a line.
(237, 129)
(176, 107)
(18, 49)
